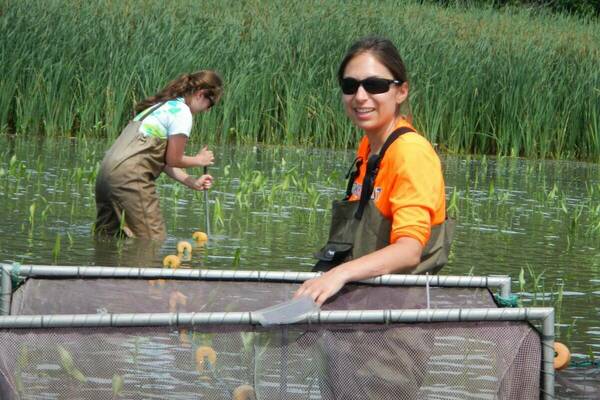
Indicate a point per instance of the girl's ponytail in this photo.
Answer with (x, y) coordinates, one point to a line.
(186, 84)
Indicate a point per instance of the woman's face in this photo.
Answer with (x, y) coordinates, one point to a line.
(374, 113)
(200, 101)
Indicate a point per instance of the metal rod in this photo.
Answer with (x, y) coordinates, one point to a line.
(548, 356)
(245, 318)
(52, 271)
(206, 214)
(427, 289)
(503, 282)
(5, 291)
(123, 320)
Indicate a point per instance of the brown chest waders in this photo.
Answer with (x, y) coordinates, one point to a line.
(358, 227)
(126, 197)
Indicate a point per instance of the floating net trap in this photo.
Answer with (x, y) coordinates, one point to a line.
(131, 333)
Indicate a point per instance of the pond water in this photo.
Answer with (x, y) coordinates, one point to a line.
(537, 221)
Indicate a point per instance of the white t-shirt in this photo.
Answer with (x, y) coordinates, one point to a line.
(172, 118)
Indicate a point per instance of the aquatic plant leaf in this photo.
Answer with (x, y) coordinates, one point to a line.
(522, 279)
(18, 380)
(117, 385)
(23, 359)
(56, 249)
(77, 374)
(248, 339)
(66, 362)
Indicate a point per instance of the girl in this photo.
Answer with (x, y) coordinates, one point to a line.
(393, 219)
(126, 198)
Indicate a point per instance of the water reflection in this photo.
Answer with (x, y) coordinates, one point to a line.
(538, 221)
(126, 252)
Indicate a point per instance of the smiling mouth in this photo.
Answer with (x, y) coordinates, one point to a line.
(363, 110)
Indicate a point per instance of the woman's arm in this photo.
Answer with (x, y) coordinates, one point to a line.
(399, 257)
(202, 183)
(176, 157)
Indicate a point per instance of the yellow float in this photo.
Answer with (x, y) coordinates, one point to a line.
(202, 353)
(184, 339)
(172, 261)
(184, 249)
(176, 298)
(562, 356)
(244, 392)
(200, 237)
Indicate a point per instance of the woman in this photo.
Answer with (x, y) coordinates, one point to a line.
(393, 219)
(126, 198)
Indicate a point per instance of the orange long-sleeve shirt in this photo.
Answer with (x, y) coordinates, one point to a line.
(409, 187)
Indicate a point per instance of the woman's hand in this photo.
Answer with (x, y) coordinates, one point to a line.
(202, 183)
(322, 288)
(400, 257)
(205, 157)
(175, 157)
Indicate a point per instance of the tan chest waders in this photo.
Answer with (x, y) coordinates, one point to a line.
(126, 197)
(358, 227)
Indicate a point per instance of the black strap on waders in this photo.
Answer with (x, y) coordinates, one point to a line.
(352, 175)
(373, 169)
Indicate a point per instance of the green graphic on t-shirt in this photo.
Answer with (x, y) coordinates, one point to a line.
(163, 120)
(153, 131)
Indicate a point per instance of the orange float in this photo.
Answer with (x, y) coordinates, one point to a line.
(562, 356)
(205, 353)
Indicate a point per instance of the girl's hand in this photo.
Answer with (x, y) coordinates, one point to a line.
(202, 183)
(205, 157)
(323, 287)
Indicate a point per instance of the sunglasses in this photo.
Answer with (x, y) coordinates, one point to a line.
(371, 85)
(211, 101)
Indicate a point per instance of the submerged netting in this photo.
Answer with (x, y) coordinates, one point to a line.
(578, 382)
(478, 360)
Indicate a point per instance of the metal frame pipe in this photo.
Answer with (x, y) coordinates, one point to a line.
(5, 291)
(544, 315)
(548, 373)
(123, 320)
(321, 317)
(501, 282)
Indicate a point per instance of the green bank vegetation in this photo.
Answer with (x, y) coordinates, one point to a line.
(489, 81)
(589, 8)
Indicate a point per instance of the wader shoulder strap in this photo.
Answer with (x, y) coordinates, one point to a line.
(151, 110)
(373, 169)
(352, 175)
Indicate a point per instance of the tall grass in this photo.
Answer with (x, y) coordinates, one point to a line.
(485, 81)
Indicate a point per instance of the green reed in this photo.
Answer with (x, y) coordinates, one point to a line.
(56, 248)
(506, 82)
(534, 283)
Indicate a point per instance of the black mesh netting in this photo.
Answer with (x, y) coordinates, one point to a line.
(578, 383)
(482, 360)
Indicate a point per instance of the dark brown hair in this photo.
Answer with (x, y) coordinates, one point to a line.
(184, 85)
(386, 53)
